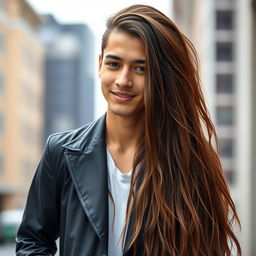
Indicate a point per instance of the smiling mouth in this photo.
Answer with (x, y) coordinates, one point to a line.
(123, 95)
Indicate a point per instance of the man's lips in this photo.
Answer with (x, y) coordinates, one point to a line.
(123, 94)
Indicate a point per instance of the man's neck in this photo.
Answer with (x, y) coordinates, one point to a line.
(123, 132)
(123, 137)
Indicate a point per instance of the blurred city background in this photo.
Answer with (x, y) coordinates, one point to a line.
(48, 83)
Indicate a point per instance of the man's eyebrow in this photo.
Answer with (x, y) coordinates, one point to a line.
(138, 61)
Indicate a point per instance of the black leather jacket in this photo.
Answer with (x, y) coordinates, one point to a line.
(68, 198)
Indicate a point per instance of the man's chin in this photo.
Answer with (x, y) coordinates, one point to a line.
(120, 113)
(125, 113)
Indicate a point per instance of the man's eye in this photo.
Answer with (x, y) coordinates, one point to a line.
(140, 68)
(113, 64)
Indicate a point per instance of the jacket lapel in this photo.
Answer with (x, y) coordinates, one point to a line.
(129, 234)
(87, 164)
(86, 160)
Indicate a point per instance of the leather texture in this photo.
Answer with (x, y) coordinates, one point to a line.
(68, 198)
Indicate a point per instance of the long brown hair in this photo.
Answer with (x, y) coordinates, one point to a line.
(179, 195)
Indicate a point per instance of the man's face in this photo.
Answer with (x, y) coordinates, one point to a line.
(122, 74)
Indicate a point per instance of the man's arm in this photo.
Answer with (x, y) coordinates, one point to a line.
(40, 224)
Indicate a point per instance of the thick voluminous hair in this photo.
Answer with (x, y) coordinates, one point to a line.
(179, 195)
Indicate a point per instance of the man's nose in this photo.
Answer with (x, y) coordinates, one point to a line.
(124, 79)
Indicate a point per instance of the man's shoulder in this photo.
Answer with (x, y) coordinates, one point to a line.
(77, 138)
(61, 138)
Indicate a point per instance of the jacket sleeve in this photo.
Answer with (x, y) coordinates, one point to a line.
(39, 228)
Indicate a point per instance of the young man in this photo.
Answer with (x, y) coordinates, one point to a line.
(144, 179)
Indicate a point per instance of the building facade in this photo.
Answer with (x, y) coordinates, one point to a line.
(223, 32)
(21, 104)
(69, 75)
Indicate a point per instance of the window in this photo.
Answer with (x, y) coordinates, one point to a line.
(224, 51)
(1, 84)
(1, 123)
(225, 83)
(29, 59)
(225, 115)
(230, 176)
(227, 147)
(1, 163)
(224, 19)
(2, 42)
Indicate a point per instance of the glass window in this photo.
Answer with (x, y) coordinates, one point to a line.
(224, 19)
(227, 147)
(2, 42)
(230, 176)
(1, 83)
(225, 83)
(225, 115)
(224, 51)
(29, 59)
(1, 123)
(1, 163)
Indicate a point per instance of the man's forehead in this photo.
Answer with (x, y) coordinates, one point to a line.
(124, 46)
(122, 39)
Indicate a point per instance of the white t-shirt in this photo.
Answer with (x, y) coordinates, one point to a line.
(119, 187)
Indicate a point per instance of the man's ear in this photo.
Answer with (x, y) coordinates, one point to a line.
(99, 64)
